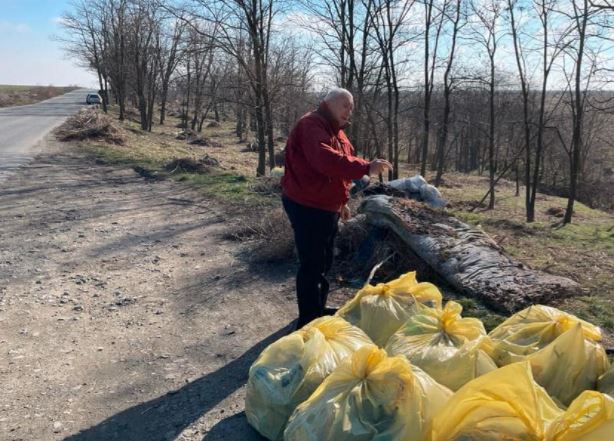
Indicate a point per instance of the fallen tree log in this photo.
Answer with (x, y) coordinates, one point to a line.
(465, 257)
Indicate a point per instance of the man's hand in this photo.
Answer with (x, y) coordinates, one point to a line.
(345, 213)
(379, 166)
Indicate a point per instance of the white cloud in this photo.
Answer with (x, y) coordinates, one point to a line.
(58, 20)
(10, 27)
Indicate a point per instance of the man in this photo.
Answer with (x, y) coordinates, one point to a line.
(319, 168)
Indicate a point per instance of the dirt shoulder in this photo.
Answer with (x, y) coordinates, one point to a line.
(123, 313)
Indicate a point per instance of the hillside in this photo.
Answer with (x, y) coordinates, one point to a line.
(582, 251)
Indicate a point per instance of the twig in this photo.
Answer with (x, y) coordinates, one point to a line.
(375, 268)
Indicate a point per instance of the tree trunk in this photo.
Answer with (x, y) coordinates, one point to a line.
(491, 136)
(578, 120)
(465, 257)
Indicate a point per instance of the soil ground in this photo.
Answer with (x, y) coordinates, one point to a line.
(123, 313)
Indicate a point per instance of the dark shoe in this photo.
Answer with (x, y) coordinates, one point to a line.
(299, 324)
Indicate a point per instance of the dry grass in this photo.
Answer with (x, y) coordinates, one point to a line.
(267, 233)
(267, 185)
(161, 146)
(187, 165)
(20, 95)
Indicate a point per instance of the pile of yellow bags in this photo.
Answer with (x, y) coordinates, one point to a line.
(396, 365)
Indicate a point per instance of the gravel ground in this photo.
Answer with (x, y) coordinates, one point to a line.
(123, 313)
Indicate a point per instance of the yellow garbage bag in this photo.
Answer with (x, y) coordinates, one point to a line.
(444, 344)
(589, 418)
(289, 370)
(532, 329)
(506, 404)
(606, 382)
(370, 396)
(569, 365)
(381, 309)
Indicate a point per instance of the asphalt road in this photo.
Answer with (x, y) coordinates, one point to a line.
(23, 127)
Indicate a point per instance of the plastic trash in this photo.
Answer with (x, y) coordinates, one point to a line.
(290, 369)
(569, 365)
(380, 310)
(370, 396)
(408, 185)
(589, 418)
(532, 329)
(417, 188)
(506, 404)
(431, 195)
(444, 344)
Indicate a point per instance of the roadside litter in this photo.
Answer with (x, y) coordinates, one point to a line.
(434, 374)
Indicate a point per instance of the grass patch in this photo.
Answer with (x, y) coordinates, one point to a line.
(582, 250)
(8, 88)
(473, 308)
(219, 184)
(14, 95)
(151, 154)
(222, 185)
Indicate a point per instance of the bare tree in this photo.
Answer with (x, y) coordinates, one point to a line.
(169, 55)
(141, 30)
(442, 139)
(578, 80)
(388, 17)
(489, 35)
(434, 20)
(85, 40)
(345, 30)
(114, 29)
(230, 20)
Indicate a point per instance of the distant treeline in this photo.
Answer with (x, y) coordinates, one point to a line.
(512, 89)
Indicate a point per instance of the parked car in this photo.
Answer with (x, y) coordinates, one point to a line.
(93, 98)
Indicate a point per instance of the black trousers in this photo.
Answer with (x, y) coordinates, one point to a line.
(314, 236)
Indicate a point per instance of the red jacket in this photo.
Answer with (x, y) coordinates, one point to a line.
(320, 163)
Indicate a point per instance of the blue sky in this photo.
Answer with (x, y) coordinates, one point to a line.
(28, 53)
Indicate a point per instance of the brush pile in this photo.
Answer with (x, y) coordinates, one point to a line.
(90, 123)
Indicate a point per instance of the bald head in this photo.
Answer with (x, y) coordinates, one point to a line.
(340, 103)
